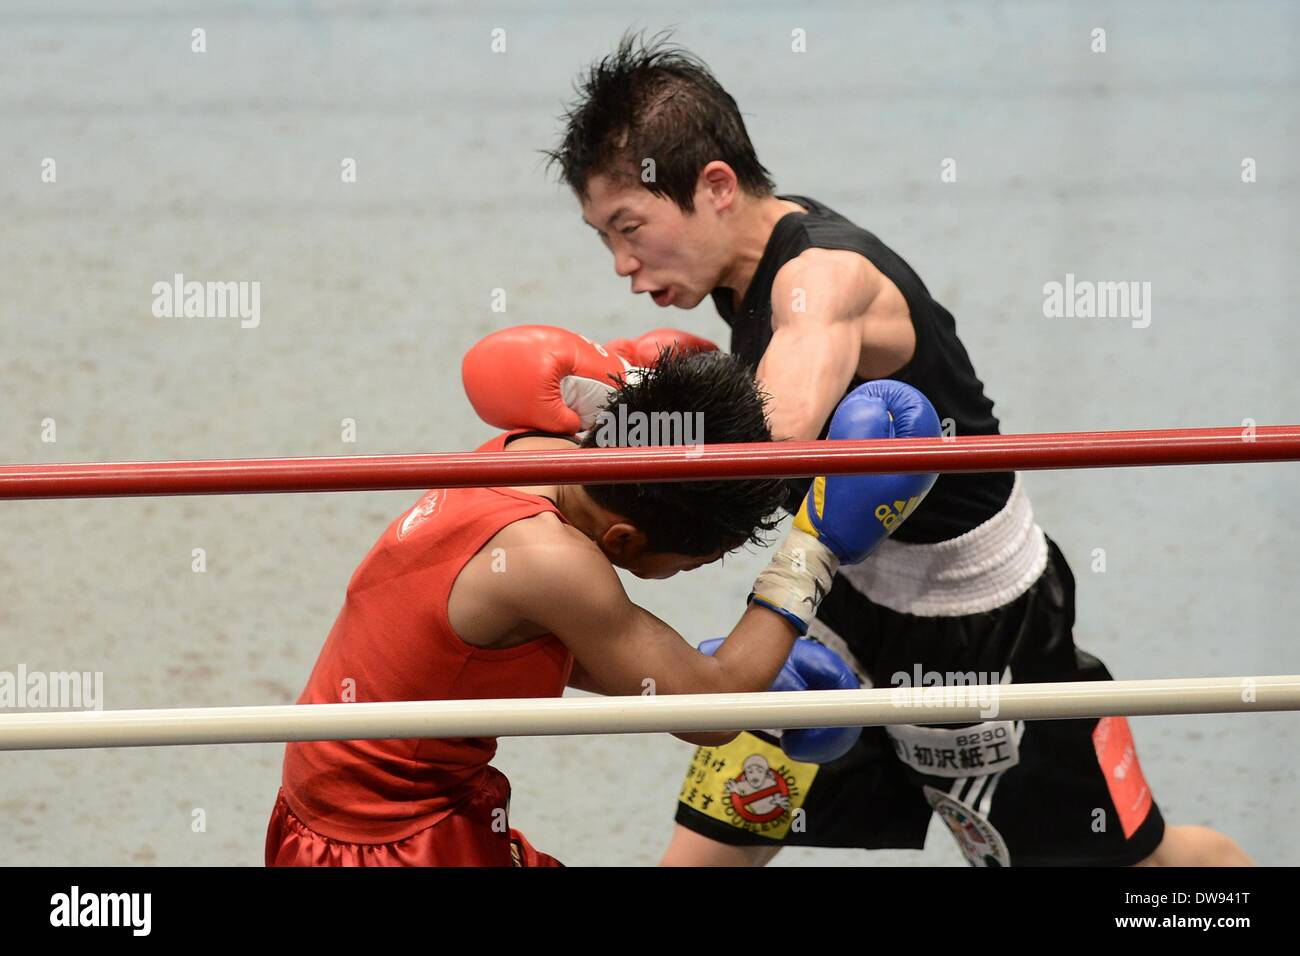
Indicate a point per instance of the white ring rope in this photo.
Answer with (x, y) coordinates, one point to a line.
(633, 715)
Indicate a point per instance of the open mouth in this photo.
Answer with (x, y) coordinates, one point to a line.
(662, 297)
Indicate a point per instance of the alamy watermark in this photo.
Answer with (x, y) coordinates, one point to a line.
(133, 911)
(208, 300)
(53, 690)
(1084, 299)
(946, 689)
(616, 427)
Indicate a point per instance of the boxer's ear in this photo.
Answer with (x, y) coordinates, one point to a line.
(622, 539)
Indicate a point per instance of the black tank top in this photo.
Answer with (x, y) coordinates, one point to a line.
(940, 368)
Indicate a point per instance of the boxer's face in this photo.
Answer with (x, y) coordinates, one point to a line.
(625, 546)
(674, 256)
(657, 566)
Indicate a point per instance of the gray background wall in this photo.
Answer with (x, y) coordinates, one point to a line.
(225, 165)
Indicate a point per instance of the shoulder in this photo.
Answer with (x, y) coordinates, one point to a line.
(543, 533)
(508, 590)
(542, 556)
(839, 281)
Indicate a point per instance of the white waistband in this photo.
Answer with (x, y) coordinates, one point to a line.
(985, 568)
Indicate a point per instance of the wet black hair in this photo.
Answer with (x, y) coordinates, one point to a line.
(650, 99)
(692, 518)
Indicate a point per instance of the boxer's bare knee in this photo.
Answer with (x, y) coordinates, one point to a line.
(1197, 846)
(688, 848)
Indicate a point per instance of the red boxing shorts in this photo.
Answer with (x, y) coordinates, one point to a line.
(466, 837)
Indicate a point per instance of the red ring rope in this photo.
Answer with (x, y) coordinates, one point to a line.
(1184, 446)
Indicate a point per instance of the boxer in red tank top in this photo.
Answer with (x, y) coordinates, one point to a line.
(377, 802)
(458, 600)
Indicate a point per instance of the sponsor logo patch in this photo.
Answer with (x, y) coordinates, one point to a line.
(990, 747)
(978, 839)
(748, 784)
(424, 509)
(1117, 757)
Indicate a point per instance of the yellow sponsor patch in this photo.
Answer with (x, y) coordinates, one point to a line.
(748, 784)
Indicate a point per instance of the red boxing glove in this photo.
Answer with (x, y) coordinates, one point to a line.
(644, 351)
(540, 376)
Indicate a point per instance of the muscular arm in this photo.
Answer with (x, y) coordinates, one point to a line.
(617, 644)
(818, 303)
(579, 679)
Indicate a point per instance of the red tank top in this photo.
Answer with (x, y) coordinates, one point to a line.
(393, 641)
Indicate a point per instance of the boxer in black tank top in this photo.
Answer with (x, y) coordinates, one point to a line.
(939, 367)
(969, 586)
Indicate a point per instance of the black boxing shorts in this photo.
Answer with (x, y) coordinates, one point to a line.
(1027, 793)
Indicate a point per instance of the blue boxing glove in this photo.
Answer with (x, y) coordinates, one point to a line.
(844, 518)
(853, 514)
(811, 666)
